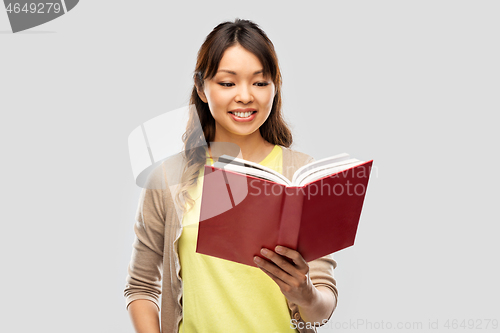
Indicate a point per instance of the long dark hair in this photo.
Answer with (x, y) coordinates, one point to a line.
(274, 130)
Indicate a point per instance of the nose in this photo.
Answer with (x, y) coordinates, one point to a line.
(244, 94)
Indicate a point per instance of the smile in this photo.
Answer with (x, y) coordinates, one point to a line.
(243, 116)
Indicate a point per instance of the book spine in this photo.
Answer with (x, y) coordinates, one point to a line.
(290, 217)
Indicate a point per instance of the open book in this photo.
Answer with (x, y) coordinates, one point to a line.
(306, 174)
(246, 206)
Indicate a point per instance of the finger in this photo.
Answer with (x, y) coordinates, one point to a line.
(284, 287)
(274, 270)
(278, 281)
(280, 261)
(297, 258)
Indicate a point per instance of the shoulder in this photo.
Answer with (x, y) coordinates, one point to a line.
(162, 174)
(293, 160)
(296, 157)
(173, 168)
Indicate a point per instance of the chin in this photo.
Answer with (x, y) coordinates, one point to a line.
(238, 131)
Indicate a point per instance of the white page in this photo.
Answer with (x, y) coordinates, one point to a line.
(238, 161)
(329, 171)
(251, 172)
(319, 163)
(322, 168)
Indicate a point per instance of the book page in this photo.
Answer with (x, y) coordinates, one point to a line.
(247, 164)
(319, 164)
(308, 178)
(254, 172)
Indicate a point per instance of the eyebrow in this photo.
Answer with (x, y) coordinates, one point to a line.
(234, 73)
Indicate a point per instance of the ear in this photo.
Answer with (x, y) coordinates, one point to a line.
(201, 94)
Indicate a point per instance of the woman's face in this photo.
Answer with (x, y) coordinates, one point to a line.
(239, 97)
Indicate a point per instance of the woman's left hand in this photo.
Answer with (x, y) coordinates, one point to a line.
(293, 279)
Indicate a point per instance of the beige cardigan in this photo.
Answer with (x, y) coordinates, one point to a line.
(154, 267)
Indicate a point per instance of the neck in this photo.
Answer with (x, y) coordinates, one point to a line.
(253, 147)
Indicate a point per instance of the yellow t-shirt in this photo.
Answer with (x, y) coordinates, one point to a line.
(224, 296)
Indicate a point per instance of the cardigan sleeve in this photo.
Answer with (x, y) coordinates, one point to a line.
(146, 265)
(321, 274)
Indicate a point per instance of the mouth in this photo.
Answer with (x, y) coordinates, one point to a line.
(243, 115)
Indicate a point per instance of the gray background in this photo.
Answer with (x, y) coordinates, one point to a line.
(411, 84)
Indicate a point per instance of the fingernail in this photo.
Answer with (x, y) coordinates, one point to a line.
(264, 251)
(257, 259)
(279, 249)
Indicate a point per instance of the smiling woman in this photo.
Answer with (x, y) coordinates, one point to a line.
(237, 99)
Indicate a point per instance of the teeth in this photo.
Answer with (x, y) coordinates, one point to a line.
(243, 114)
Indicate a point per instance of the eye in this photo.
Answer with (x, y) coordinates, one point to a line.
(225, 84)
(262, 84)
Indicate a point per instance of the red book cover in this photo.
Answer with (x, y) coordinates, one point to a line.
(240, 214)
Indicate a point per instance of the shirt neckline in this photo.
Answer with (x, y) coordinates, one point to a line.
(273, 154)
